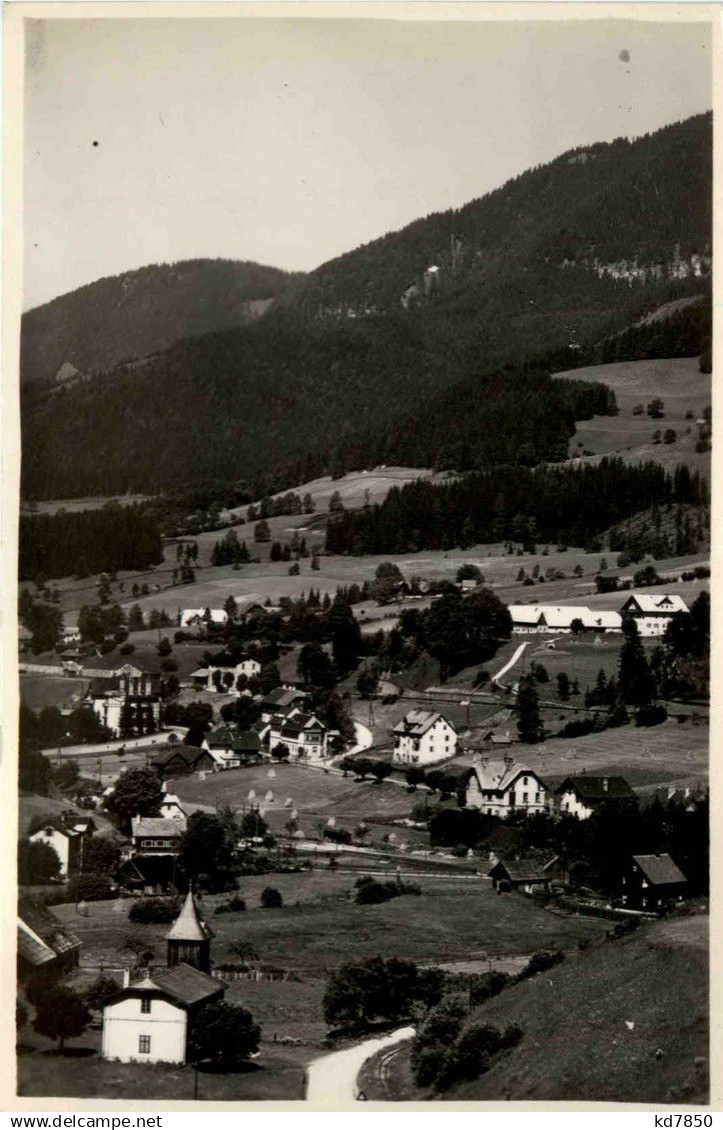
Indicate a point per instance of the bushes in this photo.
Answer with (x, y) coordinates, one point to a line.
(100, 992)
(154, 910)
(232, 906)
(540, 962)
(651, 715)
(445, 1053)
(487, 985)
(271, 898)
(91, 887)
(371, 892)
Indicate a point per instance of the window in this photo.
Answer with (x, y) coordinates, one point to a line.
(524, 780)
(524, 798)
(144, 1044)
(145, 1004)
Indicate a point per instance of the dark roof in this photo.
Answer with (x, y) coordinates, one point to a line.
(186, 984)
(282, 696)
(50, 931)
(520, 870)
(189, 754)
(597, 788)
(660, 870)
(239, 740)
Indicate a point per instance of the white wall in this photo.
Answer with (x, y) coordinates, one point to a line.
(436, 744)
(124, 1023)
(57, 841)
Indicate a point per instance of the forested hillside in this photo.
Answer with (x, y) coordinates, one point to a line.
(342, 374)
(131, 315)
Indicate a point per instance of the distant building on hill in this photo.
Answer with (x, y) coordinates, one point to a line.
(199, 617)
(580, 796)
(222, 679)
(653, 612)
(537, 619)
(423, 737)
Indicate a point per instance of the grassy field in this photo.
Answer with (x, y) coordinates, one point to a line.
(39, 691)
(626, 1021)
(676, 381)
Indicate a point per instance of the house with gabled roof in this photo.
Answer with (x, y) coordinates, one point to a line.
(579, 796)
(180, 760)
(305, 736)
(231, 747)
(281, 701)
(423, 737)
(46, 948)
(149, 1020)
(519, 874)
(652, 882)
(499, 788)
(67, 835)
(653, 612)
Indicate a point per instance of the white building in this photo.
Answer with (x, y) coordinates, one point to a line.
(499, 788)
(148, 1021)
(223, 679)
(423, 737)
(172, 809)
(653, 612)
(67, 837)
(557, 619)
(580, 796)
(197, 617)
(304, 735)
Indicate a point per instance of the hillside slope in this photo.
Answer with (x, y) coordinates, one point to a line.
(140, 312)
(626, 1021)
(340, 374)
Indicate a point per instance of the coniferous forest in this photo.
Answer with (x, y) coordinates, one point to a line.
(88, 541)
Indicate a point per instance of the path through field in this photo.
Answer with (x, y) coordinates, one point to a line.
(331, 1079)
(510, 663)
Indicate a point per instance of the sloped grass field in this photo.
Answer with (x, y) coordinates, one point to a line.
(625, 1022)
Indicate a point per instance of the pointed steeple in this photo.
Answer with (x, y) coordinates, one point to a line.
(189, 939)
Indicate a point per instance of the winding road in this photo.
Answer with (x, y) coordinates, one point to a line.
(331, 1079)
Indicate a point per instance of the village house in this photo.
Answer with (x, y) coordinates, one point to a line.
(499, 788)
(172, 809)
(303, 734)
(156, 835)
(200, 617)
(127, 702)
(181, 760)
(580, 796)
(231, 747)
(149, 1020)
(222, 679)
(519, 874)
(653, 612)
(652, 882)
(46, 949)
(423, 737)
(281, 701)
(67, 834)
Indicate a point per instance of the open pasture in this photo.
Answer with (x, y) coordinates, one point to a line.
(676, 381)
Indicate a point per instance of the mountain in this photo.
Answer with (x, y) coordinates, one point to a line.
(363, 360)
(141, 312)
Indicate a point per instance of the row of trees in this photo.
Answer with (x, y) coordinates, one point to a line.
(79, 543)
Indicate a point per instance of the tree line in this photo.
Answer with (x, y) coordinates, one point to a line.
(80, 543)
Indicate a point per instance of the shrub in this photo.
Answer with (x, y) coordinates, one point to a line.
(651, 715)
(232, 906)
(371, 892)
(271, 898)
(428, 1064)
(127, 649)
(102, 989)
(91, 887)
(488, 985)
(540, 962)
(154, 910)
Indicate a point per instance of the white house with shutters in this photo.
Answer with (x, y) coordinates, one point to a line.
(423, 737)
(653, 612)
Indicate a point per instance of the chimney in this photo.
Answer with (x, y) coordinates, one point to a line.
(605, 784)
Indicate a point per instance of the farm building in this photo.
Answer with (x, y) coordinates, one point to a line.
(580, 796)
(535, 619)
(519, 874)
(499, 788)
(67, 834)
(199, 617)
(46, 948)
(281, 701)
(303, 734)
(180, 760)
(155, 835)
(423, 737)
(172, 809)
(148, 1021)
(652, 882)
(653, 612)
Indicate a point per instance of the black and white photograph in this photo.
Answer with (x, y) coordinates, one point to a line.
(363, 368)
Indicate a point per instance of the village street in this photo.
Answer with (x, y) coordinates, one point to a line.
(332, 1078)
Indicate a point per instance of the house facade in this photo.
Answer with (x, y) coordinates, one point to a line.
(304, 735)
(519, 874)
(499, 788)
(148, 1021)
(580, 796)
(423, 737)
(222, 679)
(67, 836)
(199, 617)
(652, 882)
(653, 612)
(127, 702)
(231, 748)
(155, 835)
